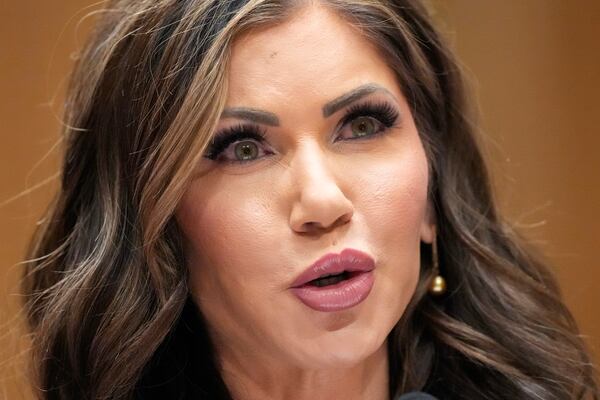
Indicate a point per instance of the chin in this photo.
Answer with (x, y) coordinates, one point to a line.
(341, 349)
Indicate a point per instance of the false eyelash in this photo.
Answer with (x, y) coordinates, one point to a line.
(383, 112)
(231, 135)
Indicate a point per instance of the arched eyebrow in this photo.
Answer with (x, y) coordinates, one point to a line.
(251, 114)
(350, 97)
(268, 118)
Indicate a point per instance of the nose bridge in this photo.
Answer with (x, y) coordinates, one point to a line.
(320, 201)
(311, 167)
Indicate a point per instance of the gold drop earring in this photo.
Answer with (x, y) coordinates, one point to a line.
(437, 287)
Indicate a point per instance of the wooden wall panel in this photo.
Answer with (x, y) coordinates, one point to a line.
(535, 67)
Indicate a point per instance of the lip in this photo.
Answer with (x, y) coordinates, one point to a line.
(344, 294)
(350, 260)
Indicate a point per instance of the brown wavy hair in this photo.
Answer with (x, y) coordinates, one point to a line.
(106, 282)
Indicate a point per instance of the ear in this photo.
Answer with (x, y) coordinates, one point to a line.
(428, 226)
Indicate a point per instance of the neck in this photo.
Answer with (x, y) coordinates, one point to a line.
(252, 379)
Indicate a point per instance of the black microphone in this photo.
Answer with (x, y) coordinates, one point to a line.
(416, 396)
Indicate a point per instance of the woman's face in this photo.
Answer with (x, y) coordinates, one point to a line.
(341, 166)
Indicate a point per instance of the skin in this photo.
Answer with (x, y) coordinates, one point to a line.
(252, 228)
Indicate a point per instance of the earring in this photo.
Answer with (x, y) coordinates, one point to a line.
(437, 287)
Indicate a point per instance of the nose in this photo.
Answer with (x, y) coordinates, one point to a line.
(320, 205)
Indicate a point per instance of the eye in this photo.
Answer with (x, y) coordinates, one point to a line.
(246, 142)
(367, 119)
(238, 144)
(364, 126)
(245, 150)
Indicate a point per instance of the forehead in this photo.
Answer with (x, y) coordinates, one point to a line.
(314, 54)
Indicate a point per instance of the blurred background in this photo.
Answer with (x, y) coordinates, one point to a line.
(535, 74)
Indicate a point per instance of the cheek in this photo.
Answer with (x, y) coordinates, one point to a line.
(393, 198)
(235, 269)
(221, 223)
(225, 231)
(393, 204)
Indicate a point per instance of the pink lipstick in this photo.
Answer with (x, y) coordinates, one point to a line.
(336, 281)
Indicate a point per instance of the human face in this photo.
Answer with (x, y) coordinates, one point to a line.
(305, 190)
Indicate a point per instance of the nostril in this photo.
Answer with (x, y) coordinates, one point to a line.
(312, 226)
(314, 214)
(344, 219)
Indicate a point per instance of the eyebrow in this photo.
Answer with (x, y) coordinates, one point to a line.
(251, 114)
(355, 94)
(268, 118)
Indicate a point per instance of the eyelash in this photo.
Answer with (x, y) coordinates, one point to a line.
(384, 113)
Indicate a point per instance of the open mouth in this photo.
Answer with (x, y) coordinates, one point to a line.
(336, 292)
(336, 282)
(332, 279)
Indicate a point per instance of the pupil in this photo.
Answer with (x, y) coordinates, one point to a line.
(246, 151)
(362, 127)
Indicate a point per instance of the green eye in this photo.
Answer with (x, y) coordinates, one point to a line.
(363, 126)
(245, 151)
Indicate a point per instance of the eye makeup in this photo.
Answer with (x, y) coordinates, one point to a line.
(384, 113)
(224, 138)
